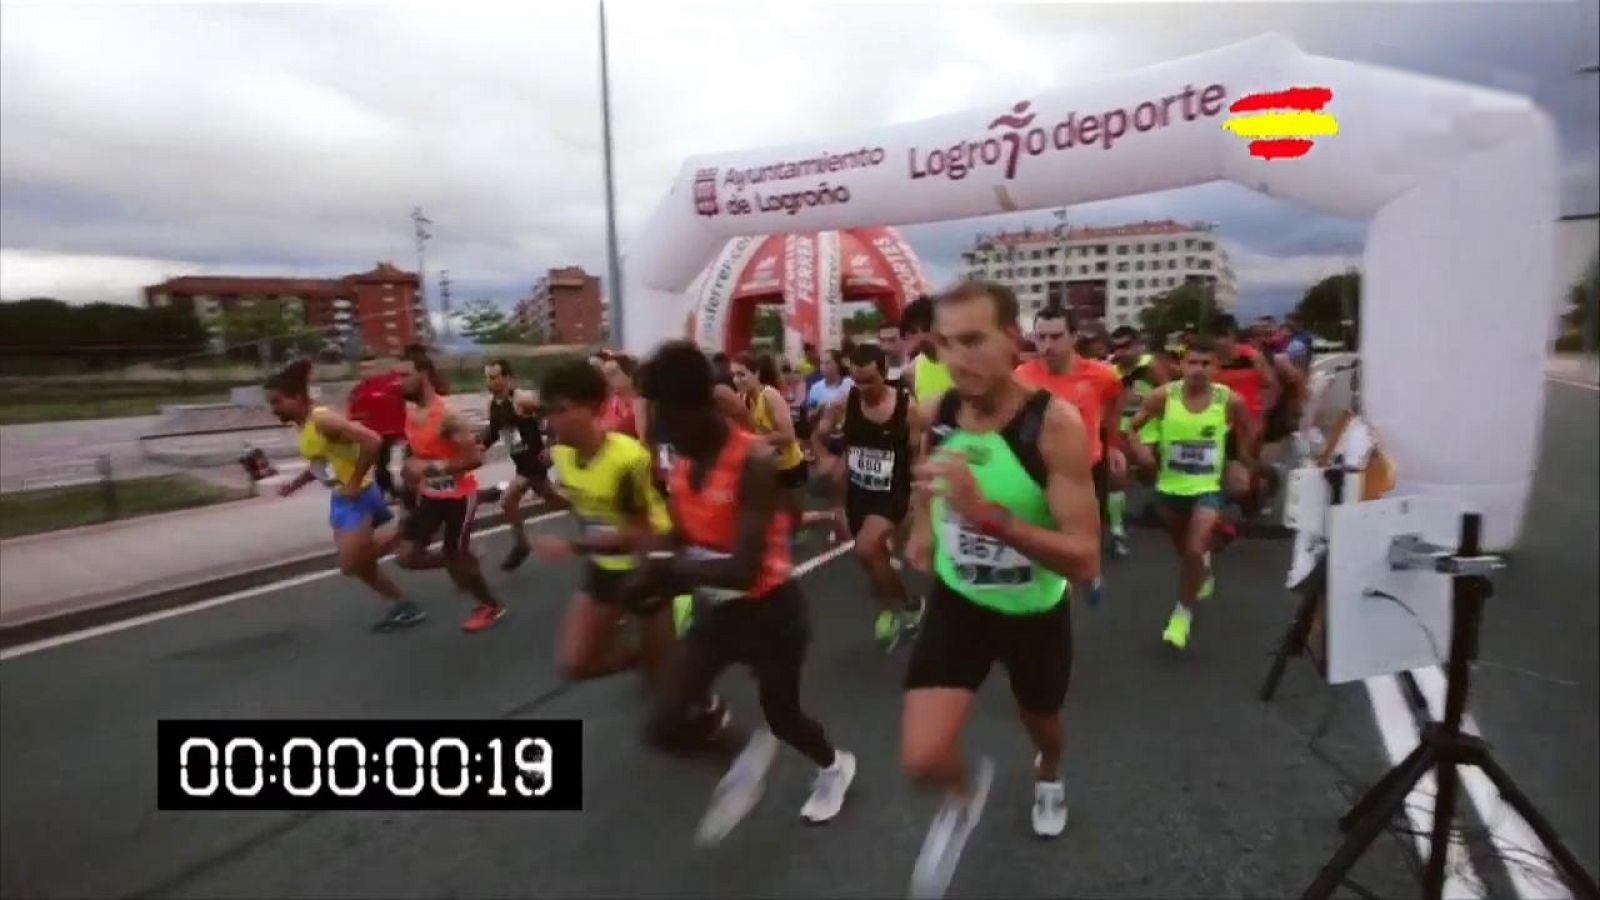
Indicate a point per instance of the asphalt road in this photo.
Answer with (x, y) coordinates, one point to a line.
(1181, 784)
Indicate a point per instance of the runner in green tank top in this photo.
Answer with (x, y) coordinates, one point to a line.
(1196, 417)
(1005, 515)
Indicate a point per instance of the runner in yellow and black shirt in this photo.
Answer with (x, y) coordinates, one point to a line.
(605, 478)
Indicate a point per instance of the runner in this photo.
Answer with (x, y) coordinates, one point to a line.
(623, 404)
(444, 453)
(1141, 373)
(889, 341)
(1245, 371)
(827, 448)
(1198, 418)
(605, 480)
(880, 427)
(734, 551)
(341, 454)
(377, 403)
(514, 417)
(756, 378)
(1005, 517)
(924, 374)
(1093, 388)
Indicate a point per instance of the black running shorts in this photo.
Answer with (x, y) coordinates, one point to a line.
(451, 514)
(769, 633)
(1101, 473)
(890, 505)
(795, 476)
(530, 467)
(960, 641)
(605, 586)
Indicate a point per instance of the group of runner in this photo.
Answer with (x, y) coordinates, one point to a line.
(686, 475)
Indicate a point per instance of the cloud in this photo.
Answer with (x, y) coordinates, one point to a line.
(140, 141)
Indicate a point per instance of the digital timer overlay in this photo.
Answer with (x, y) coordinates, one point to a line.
(370, 765)
(1287, 124)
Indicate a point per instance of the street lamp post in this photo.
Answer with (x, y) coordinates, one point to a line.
(613, 264)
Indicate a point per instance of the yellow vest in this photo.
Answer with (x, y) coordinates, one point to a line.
(333, 461)
(597, 488)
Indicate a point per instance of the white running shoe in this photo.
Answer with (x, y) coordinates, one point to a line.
(947, 837)
(828, 790)
(740, 790)
(1049, 808)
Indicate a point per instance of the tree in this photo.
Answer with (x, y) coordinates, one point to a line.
(768, 323)
(863, 321)
(485, 322)
(267, 330)
(1328, 303)
(1189, 305)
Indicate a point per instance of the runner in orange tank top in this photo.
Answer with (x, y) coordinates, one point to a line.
(444, 453)
(733, 551)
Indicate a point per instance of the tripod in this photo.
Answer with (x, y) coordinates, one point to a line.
(1293, 642)
(1444, 746)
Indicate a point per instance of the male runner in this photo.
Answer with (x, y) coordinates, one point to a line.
(1141, 372)
(1247, 372)
(523, 432)
(1005, 517)
(605, 479)
(342, 455)
(889, 342)
(377, 403)
(733, 551)
(881, 431)
(1198, 419)
(1092, 387)
(444, 454)
(926, 377)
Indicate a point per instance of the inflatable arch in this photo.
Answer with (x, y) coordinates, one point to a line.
(812, 276)
(1458, 181)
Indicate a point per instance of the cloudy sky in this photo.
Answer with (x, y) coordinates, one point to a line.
(141, 142)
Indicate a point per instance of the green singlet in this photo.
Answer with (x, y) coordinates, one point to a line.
(931, 378)
(1010, 472)
(1193, 444)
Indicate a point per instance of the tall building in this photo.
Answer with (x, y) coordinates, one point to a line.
(1106, 273)
(566, 307)
(380, 306)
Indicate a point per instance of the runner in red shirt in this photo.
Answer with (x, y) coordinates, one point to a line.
(621, 412)
(1094, 388)
(732, 536)
(377, 402)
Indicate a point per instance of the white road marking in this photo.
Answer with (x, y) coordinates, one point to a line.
(1398, 729)
(800, 570)
(1513, 839)
(136, 621)
(1588, 386)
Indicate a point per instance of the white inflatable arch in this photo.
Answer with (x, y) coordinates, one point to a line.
(1459, 183)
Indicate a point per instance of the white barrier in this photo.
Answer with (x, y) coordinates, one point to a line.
(1459, 182)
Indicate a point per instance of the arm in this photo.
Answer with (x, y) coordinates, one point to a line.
(731, 407)
(300, 481)
(338, 428)
(469, 455)
(633, 499)
(1111, 418)
(1239, 421)
(832, 415)
(1155, 406)
(1269, 381)
(757, 504)
(491, 431)
(782, 419)
(1072, 547)
(641, 419)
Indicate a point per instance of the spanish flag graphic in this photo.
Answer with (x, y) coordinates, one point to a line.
(1288, 122)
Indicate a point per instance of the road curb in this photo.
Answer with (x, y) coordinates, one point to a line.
(48, 626)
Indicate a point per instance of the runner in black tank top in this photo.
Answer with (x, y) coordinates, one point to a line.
(881, 426)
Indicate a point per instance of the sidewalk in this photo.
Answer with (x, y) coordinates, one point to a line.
(47, 575)
(1574, 367)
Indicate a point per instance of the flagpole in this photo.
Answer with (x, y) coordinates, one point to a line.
(613, 263)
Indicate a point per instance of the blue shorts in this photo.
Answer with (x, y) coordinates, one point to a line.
(1187, 505)
(345, 514)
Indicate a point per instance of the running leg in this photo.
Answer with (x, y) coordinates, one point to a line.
(511, 505)
(872, 548)
(589, 646)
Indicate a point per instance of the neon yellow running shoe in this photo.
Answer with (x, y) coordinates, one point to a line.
(887, 627)
(1209, 587)
(1177, 633)
(682, 612)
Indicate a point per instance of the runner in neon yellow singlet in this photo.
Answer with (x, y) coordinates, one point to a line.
(1005, 515)
(341, 454)
(1196, 416)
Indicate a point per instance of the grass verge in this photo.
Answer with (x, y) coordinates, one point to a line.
(53, 509)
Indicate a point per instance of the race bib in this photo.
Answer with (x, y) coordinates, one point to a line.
(871, 469)
(982, 561)
(1193, 457)
(440, 483)
(712, 595)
